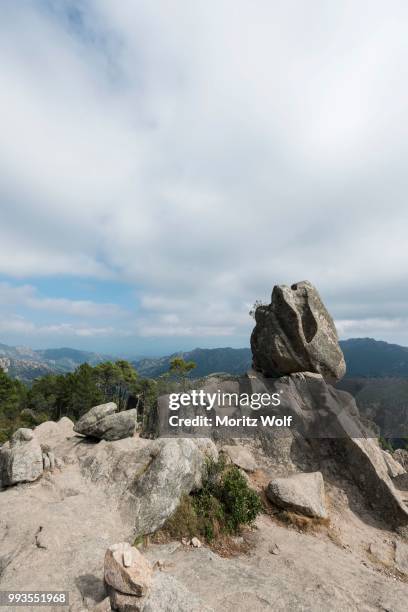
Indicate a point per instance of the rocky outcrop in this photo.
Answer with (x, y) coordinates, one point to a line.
(104, 422)
(21, 460)
(176, 470)
(394, 467)
(295, 333)
(303, 493)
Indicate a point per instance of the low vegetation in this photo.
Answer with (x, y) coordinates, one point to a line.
(223, 505)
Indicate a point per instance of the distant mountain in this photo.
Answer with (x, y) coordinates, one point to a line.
(365, 357)
(26, 364)
(208, 361)
(374, 358)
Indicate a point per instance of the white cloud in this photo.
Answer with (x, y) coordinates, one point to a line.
(26, 295)
(204, 154)
(19, 325)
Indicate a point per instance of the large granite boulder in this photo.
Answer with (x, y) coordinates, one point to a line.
(295, 333)
(177, 469)
(104, 422)
(21, 460)
(303, 493)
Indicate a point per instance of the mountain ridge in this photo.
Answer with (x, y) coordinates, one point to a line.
(365, 357)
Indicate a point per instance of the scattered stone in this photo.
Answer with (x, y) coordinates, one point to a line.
(196, 543)
(135, 579)
(274, 550)
(382, 552)
(295, 333)
(104, 422)
(185, 542)
(241, 457)
(302, 493)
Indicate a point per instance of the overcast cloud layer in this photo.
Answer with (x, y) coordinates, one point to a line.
(164, 164)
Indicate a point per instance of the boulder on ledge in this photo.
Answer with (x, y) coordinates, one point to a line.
(21, 459)
(104, 422)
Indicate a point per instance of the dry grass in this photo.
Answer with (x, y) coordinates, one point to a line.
(302, 523)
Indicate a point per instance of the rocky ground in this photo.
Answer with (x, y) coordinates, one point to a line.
(55, 532)
(333, 535)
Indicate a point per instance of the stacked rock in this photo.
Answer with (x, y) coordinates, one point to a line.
(128, 577)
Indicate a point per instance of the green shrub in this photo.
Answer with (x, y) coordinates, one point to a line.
(222, 506)
(386, 444)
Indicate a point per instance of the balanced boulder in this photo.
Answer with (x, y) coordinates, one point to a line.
(295, 333)
(303, 493)
(104, 422)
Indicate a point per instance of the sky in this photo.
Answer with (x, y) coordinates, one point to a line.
(164, 164)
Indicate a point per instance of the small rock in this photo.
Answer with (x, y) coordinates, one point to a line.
(133, 580)
(196, 543)
(241, 457)
(381, 552)
(46, 462)
(185, 542)
(302, 493)
(274, 549)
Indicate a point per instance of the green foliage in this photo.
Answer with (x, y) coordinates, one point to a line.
(12, 397)
(222, 506)
(73, 394)
(180, 369)
(386, 444)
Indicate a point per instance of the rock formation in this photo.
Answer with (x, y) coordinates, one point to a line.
(57, 530)
(21, 460)
(104, 422)
(295, 333)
